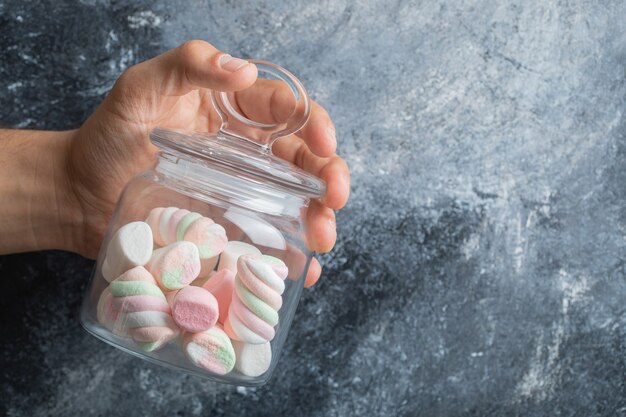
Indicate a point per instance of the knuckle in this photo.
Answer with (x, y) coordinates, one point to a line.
(128, 72)
(319, 111)
(127, 79)
(193, 48)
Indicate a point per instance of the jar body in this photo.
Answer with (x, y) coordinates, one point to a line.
(194, 278)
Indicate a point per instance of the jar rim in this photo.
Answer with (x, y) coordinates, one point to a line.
(218, 187)
(242, 160)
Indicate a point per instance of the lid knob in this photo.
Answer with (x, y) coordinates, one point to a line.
(276, 105)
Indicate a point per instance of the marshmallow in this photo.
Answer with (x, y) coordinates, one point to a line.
(252, 360)
(194, 309)
(211, 350)
(130, 246)
(242, 318)
(253, 312)
(107, 273)
(172, 224)
(184, 223)
(221, 284)
(174, 266)
(294, 258)
(259, 231)
(153, 221)
(138, 308)
(279, 267)
(236, 330)
(105, 312)
(209, 237)
(164, 223)
(234, 249)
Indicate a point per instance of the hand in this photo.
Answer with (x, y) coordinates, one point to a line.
(173, 91)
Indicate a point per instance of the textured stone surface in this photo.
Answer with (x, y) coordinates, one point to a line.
(481, 262)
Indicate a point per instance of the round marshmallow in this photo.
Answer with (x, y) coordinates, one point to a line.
(194, 309)
(211, 350)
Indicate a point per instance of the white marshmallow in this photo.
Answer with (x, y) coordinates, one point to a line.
(107, 273)
(258, 230)
(129, 247)
(234, 249)
(252, 360)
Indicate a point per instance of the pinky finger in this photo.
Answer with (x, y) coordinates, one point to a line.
(321, 230)
(313, 274)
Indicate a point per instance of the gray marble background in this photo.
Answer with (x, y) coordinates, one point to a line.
(481, 262)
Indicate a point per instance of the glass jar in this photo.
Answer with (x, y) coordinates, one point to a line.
(205, 257)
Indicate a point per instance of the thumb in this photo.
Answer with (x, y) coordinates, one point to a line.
(193, 65)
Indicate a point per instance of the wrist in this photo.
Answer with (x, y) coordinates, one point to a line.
(38, 211)
(66, 206)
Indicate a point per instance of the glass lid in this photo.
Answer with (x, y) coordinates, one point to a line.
(276, 106)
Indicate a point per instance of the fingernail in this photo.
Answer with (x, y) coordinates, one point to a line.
(332, 223)
(332, 133)
(231, 64)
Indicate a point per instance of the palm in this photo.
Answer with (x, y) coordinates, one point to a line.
(193, 111)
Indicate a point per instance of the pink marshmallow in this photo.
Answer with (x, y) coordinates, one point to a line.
(194, 309)
(221, 285)
(207, 266)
